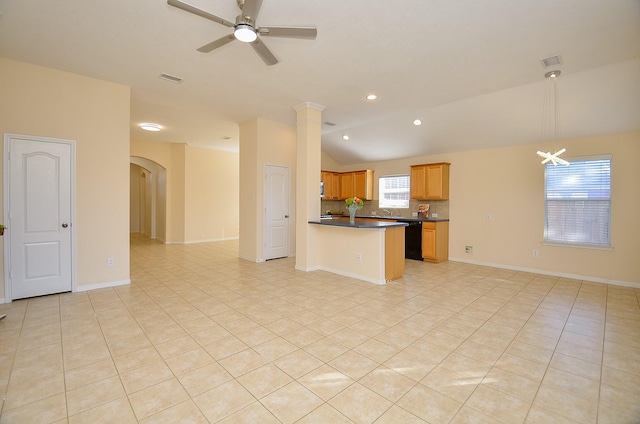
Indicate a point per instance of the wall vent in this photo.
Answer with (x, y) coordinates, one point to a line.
(170, 78)
(551, 61)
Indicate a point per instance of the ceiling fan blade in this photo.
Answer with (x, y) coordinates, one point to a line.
(264, 53)
(199, 12)
(215, 44)
(289, 32)
(250, 10)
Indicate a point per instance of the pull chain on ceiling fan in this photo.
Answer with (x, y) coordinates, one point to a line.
(246, 30)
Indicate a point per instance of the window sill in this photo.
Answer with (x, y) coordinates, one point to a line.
(579, 246)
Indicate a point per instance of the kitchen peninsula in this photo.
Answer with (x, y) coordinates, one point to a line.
(367, 249)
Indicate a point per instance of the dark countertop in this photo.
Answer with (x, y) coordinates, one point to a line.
(358, 223)
(397, 218)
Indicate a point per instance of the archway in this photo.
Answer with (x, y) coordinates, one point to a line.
(148, 198)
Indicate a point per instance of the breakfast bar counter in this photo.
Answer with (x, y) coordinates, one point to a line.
(367, 249)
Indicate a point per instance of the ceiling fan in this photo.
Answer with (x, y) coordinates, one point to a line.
(246, 30)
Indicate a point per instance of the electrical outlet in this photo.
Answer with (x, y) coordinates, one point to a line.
(358, 256)
(535, 253)
(434, 215)
(110, 262)
(489, 217)
(414, 213)
(468, 249)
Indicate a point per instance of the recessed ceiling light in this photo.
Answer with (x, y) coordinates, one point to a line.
(417, 122)
(345, 137)
(150, 126)
(372, 97)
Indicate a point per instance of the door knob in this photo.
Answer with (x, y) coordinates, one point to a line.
(65, 225)
(286, 216)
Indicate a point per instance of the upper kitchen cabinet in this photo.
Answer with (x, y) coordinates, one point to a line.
(357, 184)
(430, 181)
(331, 182)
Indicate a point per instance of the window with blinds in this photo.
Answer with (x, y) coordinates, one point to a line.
(578, 203)
(393, 191)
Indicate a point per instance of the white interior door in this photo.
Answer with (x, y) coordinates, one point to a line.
(276, 202)
(39, 210)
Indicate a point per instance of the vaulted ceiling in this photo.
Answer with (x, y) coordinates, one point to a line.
(469, 70)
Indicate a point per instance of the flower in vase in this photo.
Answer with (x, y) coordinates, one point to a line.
(354, 201)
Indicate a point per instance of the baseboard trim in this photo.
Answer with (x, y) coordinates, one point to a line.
(208, 240)
(551, 273)
(102, 285)
(343, 273)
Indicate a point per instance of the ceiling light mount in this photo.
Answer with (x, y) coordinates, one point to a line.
(149, 126)
(552, 74)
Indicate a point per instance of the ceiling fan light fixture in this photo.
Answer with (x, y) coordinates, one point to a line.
(245, 33)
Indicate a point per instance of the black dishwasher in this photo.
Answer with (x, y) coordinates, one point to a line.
(413, 240)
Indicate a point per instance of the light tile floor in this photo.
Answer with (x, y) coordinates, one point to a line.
(201, 336)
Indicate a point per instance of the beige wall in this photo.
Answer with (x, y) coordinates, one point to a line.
(201, 190)
(509, 184)
(211, 194)
(45, 102)
(263, 142)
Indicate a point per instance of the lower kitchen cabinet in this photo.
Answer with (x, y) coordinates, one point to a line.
(435, 241)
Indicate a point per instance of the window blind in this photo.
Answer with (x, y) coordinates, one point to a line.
(393, 191)
(578, 203)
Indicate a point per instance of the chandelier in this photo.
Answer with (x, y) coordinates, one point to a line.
(550, 119)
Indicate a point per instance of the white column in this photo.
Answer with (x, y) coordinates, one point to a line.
(308, 153)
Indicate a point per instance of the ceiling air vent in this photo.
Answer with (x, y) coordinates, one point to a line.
(551, 61)
(329, 124)
(171, 78)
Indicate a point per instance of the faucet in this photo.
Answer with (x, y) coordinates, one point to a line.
(387, 212)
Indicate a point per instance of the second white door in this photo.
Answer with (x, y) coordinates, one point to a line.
(276, 202)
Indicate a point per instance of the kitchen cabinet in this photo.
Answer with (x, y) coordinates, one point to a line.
(430, 181)
(331, 182)
(435, 241)
(357, 184)
(394, 253)
(346, 185)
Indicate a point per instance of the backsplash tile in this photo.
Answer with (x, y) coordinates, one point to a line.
(440, 207)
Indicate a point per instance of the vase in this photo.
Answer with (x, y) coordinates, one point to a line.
(352, 213)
